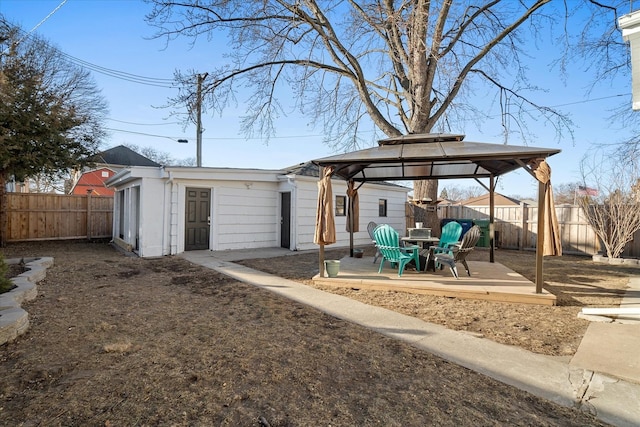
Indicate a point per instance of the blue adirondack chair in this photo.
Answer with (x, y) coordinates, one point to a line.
(449, 236)
(388, 242)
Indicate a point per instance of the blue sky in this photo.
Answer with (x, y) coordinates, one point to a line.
(113, 34)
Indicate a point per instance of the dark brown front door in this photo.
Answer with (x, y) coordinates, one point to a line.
(197, 217)
(285, 220)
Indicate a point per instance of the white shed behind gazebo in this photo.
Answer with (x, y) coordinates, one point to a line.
(167, 210)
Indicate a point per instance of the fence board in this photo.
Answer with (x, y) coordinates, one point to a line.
(34, 216)
(516, 227)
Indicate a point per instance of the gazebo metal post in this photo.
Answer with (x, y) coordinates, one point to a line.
(540, 237)
(351, 224)
(492, 207)
(542, 188)
(351, 213)
(321, 250)
(321, 261)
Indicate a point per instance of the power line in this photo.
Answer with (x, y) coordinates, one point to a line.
(144, 124)
(122, 75)
(172, 84)
(304, 136)
(584, 101)
(210, 139)
(145, 134)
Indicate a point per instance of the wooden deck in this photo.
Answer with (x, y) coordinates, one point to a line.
(488, 281)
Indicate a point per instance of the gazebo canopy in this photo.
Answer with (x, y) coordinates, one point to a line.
(431, 156)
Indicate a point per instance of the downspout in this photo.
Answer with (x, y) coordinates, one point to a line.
(166, 221)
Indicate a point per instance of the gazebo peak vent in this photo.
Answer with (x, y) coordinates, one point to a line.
(420, 138)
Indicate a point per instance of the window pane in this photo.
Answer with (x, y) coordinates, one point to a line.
(382, 207)
(341, 202)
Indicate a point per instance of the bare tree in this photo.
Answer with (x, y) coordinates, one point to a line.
(407, 67)
(458, 193)
(48, 183)
(610, 198)
(566, 193)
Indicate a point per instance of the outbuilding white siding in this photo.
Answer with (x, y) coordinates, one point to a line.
(245, 208)
(369, 196)
(630, 25)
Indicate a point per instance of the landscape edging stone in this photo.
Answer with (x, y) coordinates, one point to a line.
(14, 320)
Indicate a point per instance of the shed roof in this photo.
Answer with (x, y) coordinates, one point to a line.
(432, 156)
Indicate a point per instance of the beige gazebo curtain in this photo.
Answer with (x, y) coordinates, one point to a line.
(353, 213)
(325, 233)
(552, 242)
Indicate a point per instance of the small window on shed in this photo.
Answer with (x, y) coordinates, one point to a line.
(382, 207)
(341, 203)
(105, 174)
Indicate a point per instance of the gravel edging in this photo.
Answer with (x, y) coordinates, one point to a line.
(14, 320)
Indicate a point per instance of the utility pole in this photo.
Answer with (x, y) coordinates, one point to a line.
(201, 78)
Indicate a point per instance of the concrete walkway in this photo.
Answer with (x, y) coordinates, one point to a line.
(611, 399)
(611, 345)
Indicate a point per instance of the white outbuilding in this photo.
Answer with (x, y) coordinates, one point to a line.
(168, 210)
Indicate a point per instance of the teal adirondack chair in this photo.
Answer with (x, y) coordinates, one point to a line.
(450, 236)
(388, 242)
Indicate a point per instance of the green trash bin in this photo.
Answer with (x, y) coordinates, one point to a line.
(484, 227)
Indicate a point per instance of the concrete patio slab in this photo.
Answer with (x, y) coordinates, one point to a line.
(488, 281)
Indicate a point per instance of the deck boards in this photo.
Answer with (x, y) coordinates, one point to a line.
(488, 281)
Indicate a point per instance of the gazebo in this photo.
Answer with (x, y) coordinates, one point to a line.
(447, 156)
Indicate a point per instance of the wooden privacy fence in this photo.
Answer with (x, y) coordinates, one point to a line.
(35, 216)
(516, 227)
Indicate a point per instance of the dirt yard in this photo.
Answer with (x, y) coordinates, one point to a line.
(117, 340)
(555, 331)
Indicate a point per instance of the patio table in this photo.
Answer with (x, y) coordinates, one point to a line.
(425, 242)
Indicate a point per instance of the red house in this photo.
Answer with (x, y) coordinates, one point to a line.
(93, 181)
(108, 163)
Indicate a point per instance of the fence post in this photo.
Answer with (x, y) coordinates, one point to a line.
(89, 221)
(524, 226)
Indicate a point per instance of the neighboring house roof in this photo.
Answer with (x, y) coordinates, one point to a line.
(499, 200)
(93, 181)
(123, 156)
(446, 202)
(114, 159)
(303, 169)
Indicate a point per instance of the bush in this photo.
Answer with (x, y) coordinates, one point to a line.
(5, 283)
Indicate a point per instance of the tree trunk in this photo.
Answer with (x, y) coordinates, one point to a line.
(3, 208)
(428, 189)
